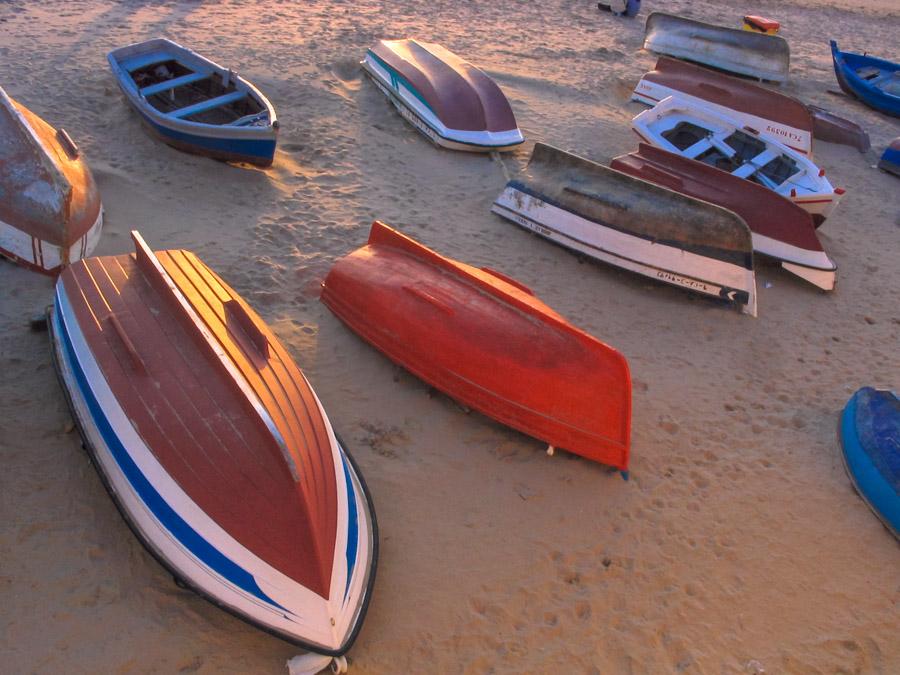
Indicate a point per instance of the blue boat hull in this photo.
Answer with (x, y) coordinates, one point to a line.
(846, 65)
(870, 438)
(890, 159)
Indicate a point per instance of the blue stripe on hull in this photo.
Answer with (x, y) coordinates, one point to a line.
(161, 510)
(252, 149)
(353, 525)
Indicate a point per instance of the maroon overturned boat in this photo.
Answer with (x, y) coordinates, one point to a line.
(779, 228)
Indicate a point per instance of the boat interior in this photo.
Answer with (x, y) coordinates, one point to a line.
(206, 97)
(738, 153)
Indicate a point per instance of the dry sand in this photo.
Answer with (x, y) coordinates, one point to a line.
(738, 544)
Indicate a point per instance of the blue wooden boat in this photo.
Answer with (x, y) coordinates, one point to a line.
(873, 81)
(194, 104)
(890, 158)
(870, 436)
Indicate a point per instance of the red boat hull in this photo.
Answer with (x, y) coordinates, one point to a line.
(487, 342)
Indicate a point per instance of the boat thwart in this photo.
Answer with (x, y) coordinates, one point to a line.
(486, 341)
(213, 444)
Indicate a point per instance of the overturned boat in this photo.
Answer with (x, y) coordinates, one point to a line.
(213, 444)
(836, 129)
(890, 158)
(450, 101)
(870, 444)
(486, 341)
(874, 81)
(764, 57)
(195, 105)
(773, 114)
(633, 224)
(699, 132)
(50, 210)
(780, 229)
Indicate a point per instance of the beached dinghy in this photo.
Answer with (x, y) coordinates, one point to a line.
(700, 133)
(767, 111)
(780, 228)
(875, 82)
(870, 440)
(213, 444)
(836, 129)
(890, 158)
(633, 224)
(449, 100)
(765, 57)
(486, 341)
(196, 105)
(50, 210)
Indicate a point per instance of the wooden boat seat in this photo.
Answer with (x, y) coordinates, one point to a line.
(173, 83)
(144, 60)
(209, 104)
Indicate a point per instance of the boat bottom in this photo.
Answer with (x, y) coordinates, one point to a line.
(744, 298)
(204, 151)
(890, 162)
(91, 441)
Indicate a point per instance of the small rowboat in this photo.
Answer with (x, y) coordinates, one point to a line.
(450, 101)
(700, 132)
(195, 105)
(764, 57)
(780, 229)
(875, 82)
(213, 444)
(870, 440)
(630, 223)
(486, 341)
(50, 210)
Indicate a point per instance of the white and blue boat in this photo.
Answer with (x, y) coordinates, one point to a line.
(890, 158)
(875, 82)
(196, 105)
(447, 99)
(214, 446)
(870, 439)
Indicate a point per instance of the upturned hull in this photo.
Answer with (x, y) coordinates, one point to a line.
(632, 224)
(50, 209)
(765, 57)
(124, 396)
(449, 101)
(890, 158)
(487, 342)
(779, 228)
(870, 441)
(251, 139)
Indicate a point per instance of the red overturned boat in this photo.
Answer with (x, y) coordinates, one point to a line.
(486, 341)
(779, 228)
(214, 446)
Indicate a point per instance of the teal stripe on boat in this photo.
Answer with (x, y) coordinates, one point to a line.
(397, 76)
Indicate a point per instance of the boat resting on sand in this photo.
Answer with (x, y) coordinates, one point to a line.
(195, 105)
(486, 341)
(764, 57)
(50, 210)
(450, 101)
(700, 133)
(870, 441)
(780, 229)
(213, 444)
(633, 224)
(835, 129)
(875, 82)
(769, 112)
(890, 158)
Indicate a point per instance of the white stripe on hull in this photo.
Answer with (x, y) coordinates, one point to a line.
(814, 266)
(309, 617)
(16, 243)
(417, 114)
(658, 261)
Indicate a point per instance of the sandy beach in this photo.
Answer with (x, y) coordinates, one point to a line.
(737, 546)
